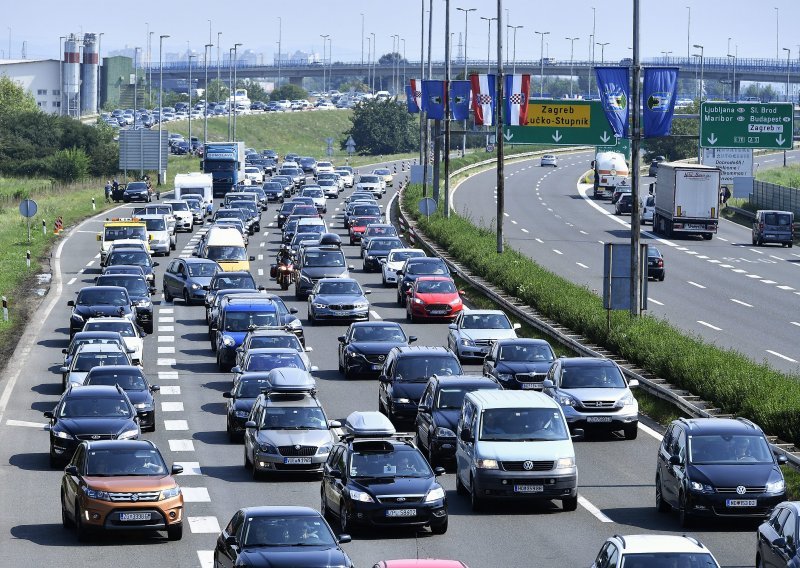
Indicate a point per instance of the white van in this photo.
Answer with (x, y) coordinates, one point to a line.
(515, 445)
(226, 246)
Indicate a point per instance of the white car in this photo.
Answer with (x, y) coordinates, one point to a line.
(372, 183)
(132, 334)
(346, 173)
(253, 175)
(324, 167)
(647, 208)
(395, 261)
(329, 187)
(549, 160)
(91, 355)
(184, 218)
(473, 333)
(654, 550)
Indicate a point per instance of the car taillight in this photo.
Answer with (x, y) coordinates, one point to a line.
(660, 262)
(761, 226)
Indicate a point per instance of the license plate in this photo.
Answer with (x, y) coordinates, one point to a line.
(297, 460)
(769, 236)
(598, 419)
(437, 312)
(135, 516)
(401, 513)
(340, 314)
(377, 367)
(695, 227)
(740, 502)
(529, 488)
(531, 385)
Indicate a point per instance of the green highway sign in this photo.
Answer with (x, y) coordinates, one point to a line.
(746, 125)
(623, 146)
(563, 123)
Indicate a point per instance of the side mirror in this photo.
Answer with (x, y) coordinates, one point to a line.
(292, 310)
(152, 289)
(343, 538)
(230, 540)
(176, 469)
(779, 542)
(466, 435)
(400, 272)
(382, 260)
(350, 267)
(517, 326)
(262, 288)
(439, 471)
(206, 287)
(314, 368)
(49, 414)
(423, 408)
(408, 293)
(782, 459)
(335, 473)
(250, 424)
(462, 293)
(155, 388)
(578, 434)
(384, 379)
(195, 253)
(227, 394)
(71, 470)
(236, 369)
(412, 338)
(71, 303)
(452, 326)
(334, 424)
(547, 384)
(64, 351)
(674, 460)
(63, 369)
(309, 349)
(633, 383)
(341, 338)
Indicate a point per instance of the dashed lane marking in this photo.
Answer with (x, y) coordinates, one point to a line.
(524, 230)
(557, 251)
(788, 288)
(170, 406)
(168, 375)
(166, 328)
(71, 281)
(513, 222)
(745, 304)
(656, 302)
(26, 424)
(598, 514)
(784, 357)
(170, 390)
(204, 525)
(176, 425)
(166, 350)
(166, 339)
(206, 558)
(181, 445)
(696, 284)
(165, 311)
(166, 361)
(375, 315)
(708, 325)
(195, 494)
(538, 240)
(581, 265)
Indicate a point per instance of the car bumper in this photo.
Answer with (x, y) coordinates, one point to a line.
(108, 515)
(376, 514)
(777, 239)
(328, 314)
(185, 224)
(405, 411)
(655, 272)
(358, 367)
(443, 448)
(423, 311)
(61, 450)
(473, 352)
(390, 276)
(600, 420)
(127, 198)
(717, 504)
(237, 423)
(147, 418)
(144, 316)
(227, 355)
(507, 484)
(162, 247)
(281, 464)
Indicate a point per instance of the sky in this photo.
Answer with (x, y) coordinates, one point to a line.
(752, 27)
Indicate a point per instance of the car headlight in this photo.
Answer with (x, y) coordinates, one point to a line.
(228, 341)
(353, 354)
(143, 406)
(626, 400)
(169, 493)
(361, 305)
(144, 303)
(63, 434)
(445, 433)
(505, 376)
(319, 306)
(455, 301)
(418, 301)
(361, 496)
(304, 278)
(468, 342)
(401, 401)
(776, 486)
(435, 494)
(696, 486)
(370, 257)
(77, 317)
(486, 464)
(129, 434)
(565, 463)
(567, 400)
(195, 286)
(241, 413)
(267, 449)
(96, 494)
(325, 449)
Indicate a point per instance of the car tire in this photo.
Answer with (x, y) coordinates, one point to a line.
(167, 295)
(570, 503)
(684, 516)
(345, 522)
(661, 278)
(475, 502)
(631, 431)
(148, 329)
(661, 505)
(441, 528)
(66, 521)
(81, 531)
(460, 489)
(186, 299)
(175, 532)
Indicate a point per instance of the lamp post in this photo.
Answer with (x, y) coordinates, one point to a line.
(700, 47)
(374, 59)
(362, 39)
(602, 51)
(733, 82)
(666, 55)
(235, 64)
(205, 107)
(688, 33)
(572, 41)
(514, 51)
(324, 41)
(161, 39)
(230, 93)
(466, 37)
(395, 61)
(402, 39)
(591, 46)
(777, 32)
(135, 85)
(190, 57)
(280, 56)
(330, 50)
(489, 43)
(369, 68)
(788, 67)
(541, 62)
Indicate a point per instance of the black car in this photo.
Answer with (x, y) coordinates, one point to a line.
(252, 211)
(624, 204)
(439, 411)
(89, 413)
(272, 154)
(405, 374)
(280, 536)
(98, 301)
(519, 363)
(180, 148)
(285, 212)
(239, 279)
(138, 292)
(241, 400)
(136, 191)
(133, 256)
(273, 190)
(717, 467)
(655, 263)
(287, 184)
(132, 380)
(308, 165)
(316, 263)
(777, 537)
(375, 478)
(416, 267)
(363, 349)
(377, 251)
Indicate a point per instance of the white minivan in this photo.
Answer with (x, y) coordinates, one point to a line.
(515, 445)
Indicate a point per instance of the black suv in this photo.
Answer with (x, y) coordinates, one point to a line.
(316, 263)
(132, 380)
(413, 269)
(519, 363)
(138, 292)
(717, 467)
(98, 301)
(405, 374)
(89, 413)
(363, 349)
(439, 411)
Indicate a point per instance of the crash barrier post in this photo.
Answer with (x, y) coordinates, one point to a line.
(5, 309)
(28, 258)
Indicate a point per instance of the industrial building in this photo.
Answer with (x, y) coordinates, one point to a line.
(39, 77)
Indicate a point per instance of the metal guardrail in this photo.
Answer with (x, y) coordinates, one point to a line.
(687, 402)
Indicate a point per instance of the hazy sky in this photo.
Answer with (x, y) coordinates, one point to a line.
(750, 24)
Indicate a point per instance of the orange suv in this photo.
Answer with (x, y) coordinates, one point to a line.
(121, 485)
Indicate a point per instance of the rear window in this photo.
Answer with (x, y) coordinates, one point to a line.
(779, 219)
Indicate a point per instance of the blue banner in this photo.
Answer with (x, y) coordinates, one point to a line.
(459, 99)
(614, 86)
(433, 99)
(658, 100)
(410, 101)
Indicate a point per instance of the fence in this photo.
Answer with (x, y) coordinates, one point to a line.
(773, 196)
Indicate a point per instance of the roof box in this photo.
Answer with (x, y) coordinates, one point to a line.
(368, 425)
(289, 379)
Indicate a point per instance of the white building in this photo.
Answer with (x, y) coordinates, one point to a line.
(39, 77)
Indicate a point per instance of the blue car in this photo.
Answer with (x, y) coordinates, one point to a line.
(238, 316)
(338, 299)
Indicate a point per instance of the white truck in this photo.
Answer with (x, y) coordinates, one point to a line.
(610, 171)
(196, 184)
(687, 200)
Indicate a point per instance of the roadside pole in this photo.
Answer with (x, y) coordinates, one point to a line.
(635, 308)
(500, 140)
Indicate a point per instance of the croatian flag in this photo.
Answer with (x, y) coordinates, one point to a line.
(518, 89)
(416, 92)
(483, 98)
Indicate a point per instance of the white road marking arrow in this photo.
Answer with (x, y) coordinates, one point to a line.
(557, 136)
(712, 139)
(508, 135)
(605, 137)
(780, 140)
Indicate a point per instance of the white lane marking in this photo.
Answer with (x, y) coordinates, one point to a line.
(90, 263)
(524, 230)
(166, 350)
(599, 515)
(170, 390)
(583, 232)
(181, 445)
(165, 361)
(754, 276)
(682, 248)
(195, 494)
(768, 282)
(656, 302)
(166, 339)
(723, 239)
(739, 270)
(726, 265)
(204, 525)
(745, 304)
(776, 257)
(168, 375)
(71, 281)
(262, 244)
(166, 311)
(26, 424)
(756, 251)
(176, 425)
(693, 252)
(81, 270)
(795, 323)
(374, 315)
(506, 215)
(166, 328)
(513, 222)
(581, 265)
(785, 288)
(712, 260)
(649, 431)
(97, 255)
(260, 257)
(261, 272)
(557, 251)
(784, 357)
(171, 406)
(695, 284)
(190, 468)
(715, 328)
(538, 240)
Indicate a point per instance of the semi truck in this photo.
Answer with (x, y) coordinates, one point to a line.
(686, 200)
(225, 162)
(610, 172)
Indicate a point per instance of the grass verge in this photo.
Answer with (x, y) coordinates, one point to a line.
(788, 176)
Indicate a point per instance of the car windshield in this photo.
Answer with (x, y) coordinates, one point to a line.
(526, 353)
(231, 252)
(122, 269)
(136, 185)
(273, 186)
(118, 462)
(135, 257)
(85, 362)
(294, 418)
(347, 288)
(485, 321)
(452, 397)
(283, 341)
(369, 179)
(116, 233)
(202, 269)
(668, 560)
(402, 256)
(522, 424)
(134, 286)
(401, 463)
(312, 193)
(727, 449)
(73, 347)
(269, 361)
(427, 268)
(129, 380)
(226, 281)
(250, 388)
(327, 182)
(421, 368)
(226, 214)
(436, 287)
(95, 297)
(381, 231)
(316, 229)
(286, 531)
(179, 206)
(288, 207)
(95, 407)
(323, 258)
(124, 328)
(379, 333)
(360, 210)
(592, 377)
(384, 245)
(307, 210)
(241, 321)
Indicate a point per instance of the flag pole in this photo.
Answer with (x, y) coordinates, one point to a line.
(501, 198)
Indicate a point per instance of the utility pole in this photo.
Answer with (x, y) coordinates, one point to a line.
(702, 62)
(160, 105)
(324, 41)
(219, 83)
(602, 51)
(447, 109)
(236, 47)
(466, 36)
(514, 51)
(190, 100)
(280, 55)
(636, 303)
(422, 120)
(501, 181)
(205, 108)
(489, 42)
(591, 47)
(541, 63)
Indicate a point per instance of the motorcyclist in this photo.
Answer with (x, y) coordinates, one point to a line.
(285, 257)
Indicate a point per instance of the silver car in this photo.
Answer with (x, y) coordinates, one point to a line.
(549, 160)
(473, 333)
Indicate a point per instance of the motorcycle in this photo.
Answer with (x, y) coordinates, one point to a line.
(285, 276)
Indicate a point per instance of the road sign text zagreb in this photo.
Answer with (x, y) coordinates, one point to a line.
(563, 123)
(745, 125)
(559, 115)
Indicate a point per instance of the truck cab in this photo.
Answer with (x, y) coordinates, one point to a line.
(121, 228)
(610, 172)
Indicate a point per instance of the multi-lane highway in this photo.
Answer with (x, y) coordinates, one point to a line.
(616, 476)
(725, 290)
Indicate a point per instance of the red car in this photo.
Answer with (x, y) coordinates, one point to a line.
(424, 563)
(357, 227)
(433, 297)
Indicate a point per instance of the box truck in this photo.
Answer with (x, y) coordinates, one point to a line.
(687, 200)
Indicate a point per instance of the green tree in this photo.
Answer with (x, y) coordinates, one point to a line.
(14, 98)
(672, 147)
(217, 91)
(383, 127)
(290, 92)
(255, 92)
(69, 165)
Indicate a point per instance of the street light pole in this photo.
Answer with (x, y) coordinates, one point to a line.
(541, 62)
(235, 64)
(788, 67)
(447, 109)
(369, 67)
(324, 41)
(688, 33)
(191, 56)
(466, 37)
(702, 62)
(572, 41)
(603, 51)
(280, 55)
(362, 39)
(514, 51)
(374, 59)
(219, 82)
(489, 43)
(591, 47)
(205, 107)
(777, 32)
(161, 39)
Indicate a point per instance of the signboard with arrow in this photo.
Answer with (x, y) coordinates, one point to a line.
(563, 123)
(746, 125)
(350, 146)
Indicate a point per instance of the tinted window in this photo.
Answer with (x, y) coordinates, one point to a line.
(124, 328)
(526, 353)
(85, 362)
(95, 407)
(436, 267)
(223, 281)
(452, 397)
(384, 244)
(401, 463)
(179, 206)
(250, 388)
(324, 258)
(360, 210)
(130, 381)
(387, 333)
(275, 342)
(114, 233)
(729, 449)
(226, 253)
(241, 321)
(369, 179)
(294, 418)
(136, 257)
(202, 269)
(514, 424)
(399, 256)
(781, 219)
(421, 368)
(339, 288)
(134, 286)
(105, 463)
(668, 560)
(95, 297)
(269, 361)
(286, 531)
(485, 321)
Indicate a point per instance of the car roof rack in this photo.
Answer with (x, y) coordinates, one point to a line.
(621, 539)
(694, 540)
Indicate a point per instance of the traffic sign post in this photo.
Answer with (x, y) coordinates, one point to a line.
(746, 125)
(350, 146)
(28, 209)
(563, 123)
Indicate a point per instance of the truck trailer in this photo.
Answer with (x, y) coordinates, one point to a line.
(686, 200)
